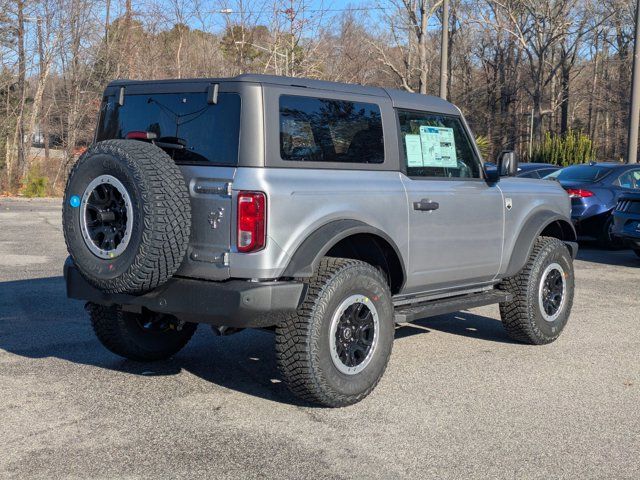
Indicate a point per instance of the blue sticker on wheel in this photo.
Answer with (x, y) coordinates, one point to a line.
(74, 201)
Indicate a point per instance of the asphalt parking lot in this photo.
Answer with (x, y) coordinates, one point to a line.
(459, 400)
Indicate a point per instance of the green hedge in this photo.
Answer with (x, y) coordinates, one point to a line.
(567, 149)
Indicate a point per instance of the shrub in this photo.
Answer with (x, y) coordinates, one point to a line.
(35, 184)
(482, 141)
(567, 149)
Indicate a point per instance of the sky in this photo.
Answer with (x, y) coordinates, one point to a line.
(312, 8)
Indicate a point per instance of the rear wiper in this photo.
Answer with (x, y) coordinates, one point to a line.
(173, 143)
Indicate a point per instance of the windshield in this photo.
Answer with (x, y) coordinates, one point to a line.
(184, 124)
(580, 173)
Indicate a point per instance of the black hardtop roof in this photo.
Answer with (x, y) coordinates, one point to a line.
(399, 98)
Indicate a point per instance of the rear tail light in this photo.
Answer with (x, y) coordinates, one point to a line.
(139, 135)
(252, 220)
(579, 193)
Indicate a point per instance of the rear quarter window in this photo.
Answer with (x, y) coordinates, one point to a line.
(325, 130)
(210, 133)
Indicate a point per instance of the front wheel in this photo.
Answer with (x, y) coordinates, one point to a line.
(143, 337)
(542, 294)
(335, 349)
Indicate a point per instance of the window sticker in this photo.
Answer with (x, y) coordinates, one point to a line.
(438, 147)
(414, 150)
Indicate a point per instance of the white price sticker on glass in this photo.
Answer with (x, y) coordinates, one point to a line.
(414, 150)
(438, 147)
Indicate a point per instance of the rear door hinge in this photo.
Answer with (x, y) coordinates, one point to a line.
(229, 188)
(225, 259)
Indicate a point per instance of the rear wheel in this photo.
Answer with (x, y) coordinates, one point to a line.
(637, 251)
(542, 294)
(335, 349)
(141, 337)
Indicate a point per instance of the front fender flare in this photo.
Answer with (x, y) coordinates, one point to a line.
(531, 230)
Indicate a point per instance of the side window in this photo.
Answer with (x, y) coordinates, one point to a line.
(546, 171)
(630, 179)
(436, 146)
(325, 130)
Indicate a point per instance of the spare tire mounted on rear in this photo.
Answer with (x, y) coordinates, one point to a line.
(127, 216)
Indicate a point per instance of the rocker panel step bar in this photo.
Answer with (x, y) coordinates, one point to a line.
(431, 308)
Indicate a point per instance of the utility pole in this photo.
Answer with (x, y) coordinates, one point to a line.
(634, 114)
(22, 90)
(444, 50)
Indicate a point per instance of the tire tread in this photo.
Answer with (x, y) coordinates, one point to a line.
(109, 325)
(296, 337)
(515, 314)
(166, 216)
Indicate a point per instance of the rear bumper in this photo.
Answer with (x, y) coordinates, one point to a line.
(234, 303)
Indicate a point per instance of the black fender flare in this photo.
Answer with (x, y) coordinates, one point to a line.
(531, 230)
(307, 257)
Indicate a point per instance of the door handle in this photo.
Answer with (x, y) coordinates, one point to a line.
(426, 205)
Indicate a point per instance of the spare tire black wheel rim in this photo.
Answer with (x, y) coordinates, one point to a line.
(106, 217)
(353, 335)
(552, 292)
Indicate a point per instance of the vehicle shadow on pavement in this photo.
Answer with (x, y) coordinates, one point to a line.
(619, 258)
(465, 324)
(38, 322)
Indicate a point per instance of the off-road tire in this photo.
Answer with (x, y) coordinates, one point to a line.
(522, 317)
(121, 333)
(303, 340)
(161, 222)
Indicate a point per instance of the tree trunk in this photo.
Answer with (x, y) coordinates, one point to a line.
(537, 113)
(19, 139)
(453, 30)
(43, 76)
(594, 86)
(564, 98)
(9, 161)
(35, 108)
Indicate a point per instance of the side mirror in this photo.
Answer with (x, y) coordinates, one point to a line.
(491, 172)
(508, 164)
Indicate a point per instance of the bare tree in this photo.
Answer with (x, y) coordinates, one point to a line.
(405, 51)
(540, 27)
(568, 61)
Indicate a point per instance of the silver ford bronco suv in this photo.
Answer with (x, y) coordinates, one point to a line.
(326, 212)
